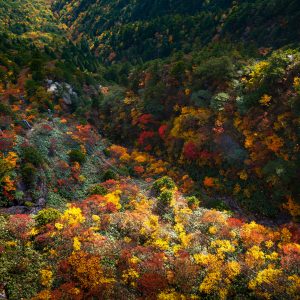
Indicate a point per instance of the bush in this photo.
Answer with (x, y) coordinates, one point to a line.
(163, 183)
(55, 200)
(20, 270)
(124, 171)
(28, 172)
(77, 156)
(29, 204)
(46, 216)
(32, 156)
(215, 69)
(4, 168)
(19, 195)
(31, 86)
(217, 204)
(106, 152)
(193, 202)
(109, 174)
(166, 197)
(97, 190)
(5, 109)
(201, 98)
(218, 101)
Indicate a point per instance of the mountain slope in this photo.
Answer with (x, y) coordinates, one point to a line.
(41, 73)
(145, 29)
(29, 20)
(207, 92)
(174, 178)
(33, 45)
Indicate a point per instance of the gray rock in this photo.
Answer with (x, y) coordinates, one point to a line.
(41, 202)
(63, 90)
(16, 210)
(35, 210)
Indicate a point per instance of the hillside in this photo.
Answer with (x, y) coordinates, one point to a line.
(29, 19)
(145, 30)
(149, 149)
(220, 119)
(220, 97)
(32, 37)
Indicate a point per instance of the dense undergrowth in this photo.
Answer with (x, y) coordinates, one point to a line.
(127, 242)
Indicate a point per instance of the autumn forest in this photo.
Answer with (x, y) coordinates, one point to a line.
(149, 149)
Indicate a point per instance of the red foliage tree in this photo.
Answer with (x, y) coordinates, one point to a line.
(151, 283)
(190, 151)
(6, 140)
(162, 131)
(18, 225)
(234, 222)
(291, 256)
(145, 136)
(86, 134)
(145, 119)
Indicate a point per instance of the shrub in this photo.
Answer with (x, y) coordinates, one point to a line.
(201, 98)
(124, 171)
(109, 174)
(97, 190)
(5, 109)
(32, 156)
(31, 86)
(215, 69)
(28, 172)
(19, 195)
(217, 204)
(218, 101)
(193, 202)
(166, 197)
(19, 269)
(163, 183)
(55, 200)
(29, 204)
(77, 156)
(107, 152)
(4, 168)
(46, 216)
